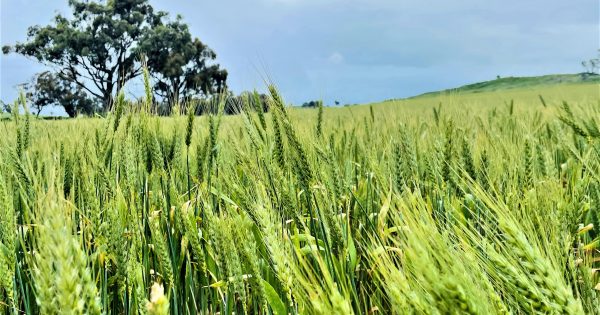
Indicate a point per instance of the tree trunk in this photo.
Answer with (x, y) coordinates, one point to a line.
(107, 98)
(107, 101)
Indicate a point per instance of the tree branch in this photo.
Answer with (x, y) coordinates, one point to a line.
(80, 84)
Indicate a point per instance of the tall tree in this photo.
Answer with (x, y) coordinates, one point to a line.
(50, 89)
(182, 66)
(593, 65)
(95, 49)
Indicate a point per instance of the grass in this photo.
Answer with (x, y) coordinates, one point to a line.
(508, 83)
(485, 204)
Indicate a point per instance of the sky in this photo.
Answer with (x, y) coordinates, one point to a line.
(357, 51)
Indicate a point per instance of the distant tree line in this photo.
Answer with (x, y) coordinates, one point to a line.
(227, 102)
(94, 53)
(311, 104)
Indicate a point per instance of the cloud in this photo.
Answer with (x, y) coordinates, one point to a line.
(336, 58)
(361, 50)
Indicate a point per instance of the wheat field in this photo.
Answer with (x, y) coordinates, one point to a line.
(454, 204)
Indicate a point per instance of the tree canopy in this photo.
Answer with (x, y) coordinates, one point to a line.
(48, 88)
(99, 50)
(181, 65)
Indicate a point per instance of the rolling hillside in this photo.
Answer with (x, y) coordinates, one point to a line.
(519, 82)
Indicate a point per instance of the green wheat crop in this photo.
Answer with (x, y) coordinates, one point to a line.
(445, 205)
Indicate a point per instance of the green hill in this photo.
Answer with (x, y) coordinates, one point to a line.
(519, 82)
